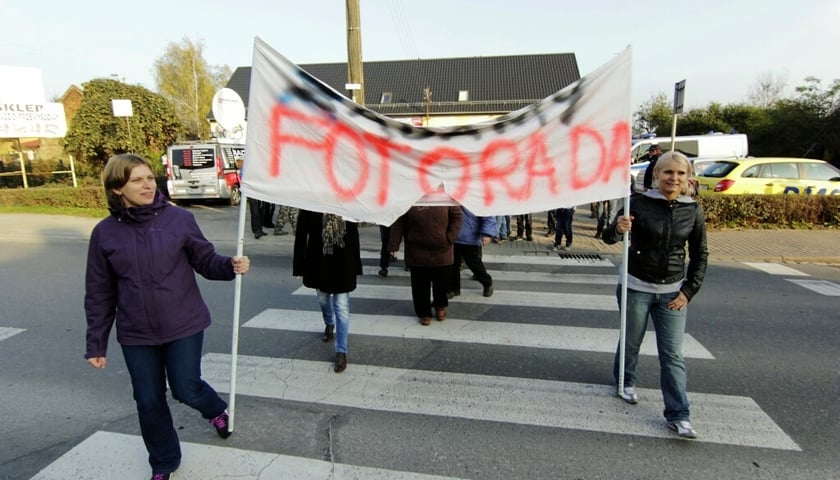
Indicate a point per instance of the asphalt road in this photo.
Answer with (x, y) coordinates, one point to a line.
(512, 387)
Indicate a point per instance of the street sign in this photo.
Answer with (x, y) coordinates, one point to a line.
(679, 96)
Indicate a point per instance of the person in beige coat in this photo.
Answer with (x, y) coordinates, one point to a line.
(429, 234)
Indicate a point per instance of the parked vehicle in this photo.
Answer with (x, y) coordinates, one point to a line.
(204, 171)
(695, 147)
(802, 176)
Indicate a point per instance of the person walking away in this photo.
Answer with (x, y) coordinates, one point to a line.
(503, 231)
(429, 234)
(565, 216)
(605, 210)
(327, 255)
(654, 151)
(140, 276)
(475, 233)
(661, 222)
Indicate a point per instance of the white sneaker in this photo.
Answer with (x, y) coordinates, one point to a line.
(629, 395)
(683, 428)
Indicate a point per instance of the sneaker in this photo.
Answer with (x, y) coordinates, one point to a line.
(340, 362)
(222, 425)
(329, 332)
(440, 314)
(488, 291)
(557, 248)
(162, 476)
(279, 232)
(683, 428)
(425, 321)
(383, 272)
(259, 234)
(629, 395)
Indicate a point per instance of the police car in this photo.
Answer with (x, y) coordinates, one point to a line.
(801, 176)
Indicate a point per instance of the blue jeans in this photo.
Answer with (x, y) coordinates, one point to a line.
(149, 367)
(335, 307)
(670, 332)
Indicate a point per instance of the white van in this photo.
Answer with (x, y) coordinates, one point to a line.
(713, 145)
(204, 171)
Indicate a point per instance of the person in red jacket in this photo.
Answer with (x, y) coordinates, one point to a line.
(140, 277)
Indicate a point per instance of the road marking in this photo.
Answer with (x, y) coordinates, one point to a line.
(550, 259)
(107, 455)
(823, 287)
(577, 301)
(470, 331)
(720, 419)
(8, 332)
(776, 269)
(517, 276)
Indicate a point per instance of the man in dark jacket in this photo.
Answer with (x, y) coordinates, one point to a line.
(475, 233)
(653, 155)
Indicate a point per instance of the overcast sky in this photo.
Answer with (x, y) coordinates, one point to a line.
(719, 47)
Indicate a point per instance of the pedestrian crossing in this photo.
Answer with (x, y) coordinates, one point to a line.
(823, 287)
(549, 282)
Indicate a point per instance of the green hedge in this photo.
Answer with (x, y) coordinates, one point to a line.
(722, 211)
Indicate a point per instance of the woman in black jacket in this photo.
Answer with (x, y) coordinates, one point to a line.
(328, 257)
(663, 221)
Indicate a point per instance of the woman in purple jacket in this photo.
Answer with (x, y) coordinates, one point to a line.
(140, 276)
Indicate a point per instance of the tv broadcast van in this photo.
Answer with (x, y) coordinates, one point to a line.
(204, 171)
(695, 147)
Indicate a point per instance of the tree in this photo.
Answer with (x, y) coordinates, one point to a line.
(95, 133)
(184, 78)
(653, 116)
(767, 89)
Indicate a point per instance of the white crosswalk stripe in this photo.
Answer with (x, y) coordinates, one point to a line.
(469, 331)
(515, 276)
(576, 301)
(725, 419)
(823, 287)
(106, 455)
(8, 332)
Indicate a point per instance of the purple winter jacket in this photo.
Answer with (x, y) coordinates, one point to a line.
(141, 273)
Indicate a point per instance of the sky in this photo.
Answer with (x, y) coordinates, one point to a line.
(720, 48)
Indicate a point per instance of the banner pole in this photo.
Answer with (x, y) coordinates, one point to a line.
(237, 296)
(623, 301)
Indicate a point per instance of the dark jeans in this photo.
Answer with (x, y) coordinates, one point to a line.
(384, 254)
(471, 254)
(424, 278)
(149, 367)
(564, 226)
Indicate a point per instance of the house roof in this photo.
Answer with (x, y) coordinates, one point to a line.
(494, 85)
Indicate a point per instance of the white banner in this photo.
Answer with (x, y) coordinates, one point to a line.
(310, 147)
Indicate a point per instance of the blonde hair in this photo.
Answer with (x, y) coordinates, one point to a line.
(677, 157)
(117, 173)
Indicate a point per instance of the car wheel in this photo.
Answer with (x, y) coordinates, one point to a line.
(235, 196)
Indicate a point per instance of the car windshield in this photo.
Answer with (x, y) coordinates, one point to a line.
(717, 169)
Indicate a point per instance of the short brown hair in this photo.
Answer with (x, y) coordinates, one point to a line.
(116, 174)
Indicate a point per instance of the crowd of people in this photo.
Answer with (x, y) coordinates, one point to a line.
(143, 258)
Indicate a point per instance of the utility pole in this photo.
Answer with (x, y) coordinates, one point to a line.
(355, 72)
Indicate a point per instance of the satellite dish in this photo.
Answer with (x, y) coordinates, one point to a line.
(228, 109)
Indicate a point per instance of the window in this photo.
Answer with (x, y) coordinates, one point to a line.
(819, 171)
(463, 95)
(386, 97)
(783, 170)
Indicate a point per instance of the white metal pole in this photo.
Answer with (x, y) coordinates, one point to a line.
(237, 296)
(623, 302)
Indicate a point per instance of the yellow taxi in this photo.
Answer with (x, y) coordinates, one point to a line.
(801, 176)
